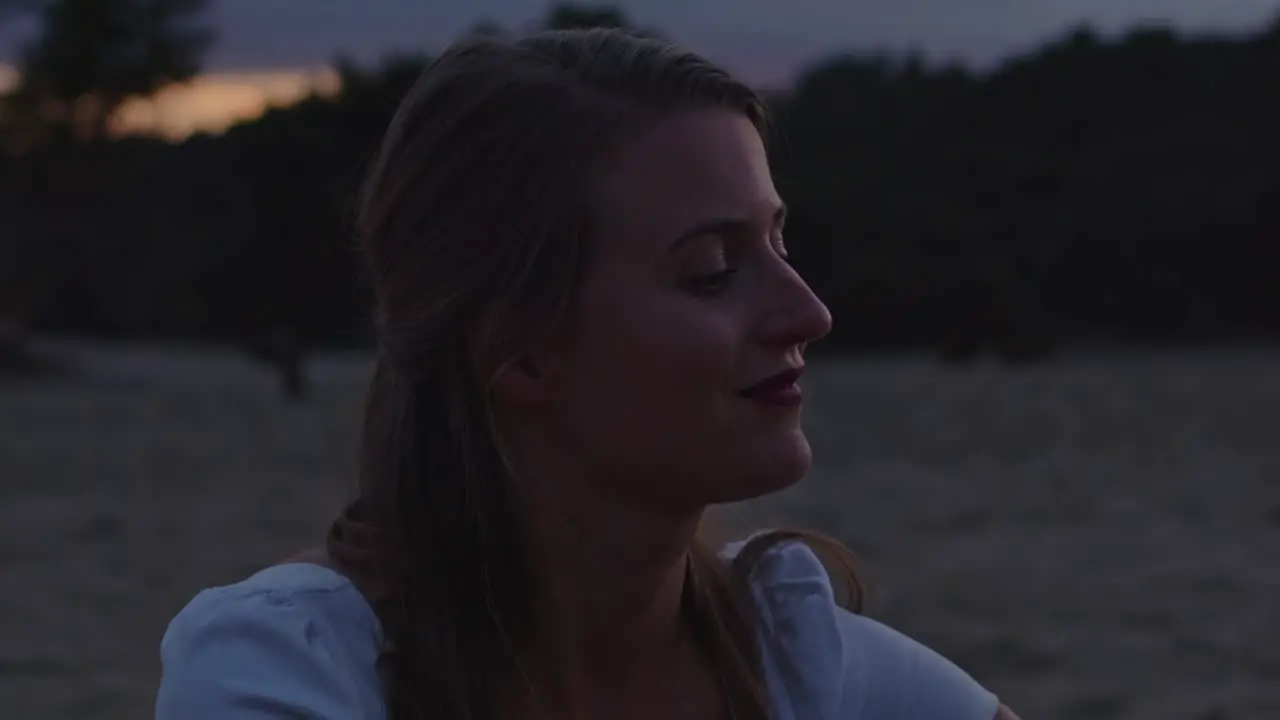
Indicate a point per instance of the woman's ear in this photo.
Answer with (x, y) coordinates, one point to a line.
(519, 381)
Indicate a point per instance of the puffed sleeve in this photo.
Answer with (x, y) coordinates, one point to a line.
(824, 662)
(889, 675)
(256, 656)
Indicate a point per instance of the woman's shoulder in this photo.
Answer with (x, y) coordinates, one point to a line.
(294, 639)
(824, 661)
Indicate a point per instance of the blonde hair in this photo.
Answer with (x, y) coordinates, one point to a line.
(475, 226)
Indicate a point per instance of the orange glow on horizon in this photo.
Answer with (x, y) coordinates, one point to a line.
(211, 102)
(8, 78)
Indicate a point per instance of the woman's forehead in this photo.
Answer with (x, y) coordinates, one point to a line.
(684, 171)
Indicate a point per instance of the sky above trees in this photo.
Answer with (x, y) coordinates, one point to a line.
(764, 39)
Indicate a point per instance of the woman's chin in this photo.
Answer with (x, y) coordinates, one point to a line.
(771, 467)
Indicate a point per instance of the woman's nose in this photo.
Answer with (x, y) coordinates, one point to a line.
(794, 315)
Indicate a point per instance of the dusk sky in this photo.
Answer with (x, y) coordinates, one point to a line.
(767, 40)
(274, 52)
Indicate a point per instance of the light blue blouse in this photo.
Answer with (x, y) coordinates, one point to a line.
(299, 641)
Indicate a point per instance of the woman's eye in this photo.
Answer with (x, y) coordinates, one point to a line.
(712, 283)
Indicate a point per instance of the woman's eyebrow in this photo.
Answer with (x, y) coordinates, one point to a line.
(724, 227)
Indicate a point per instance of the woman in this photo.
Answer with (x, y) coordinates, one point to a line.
(589, 333)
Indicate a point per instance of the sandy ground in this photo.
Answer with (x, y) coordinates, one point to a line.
(1098, 538)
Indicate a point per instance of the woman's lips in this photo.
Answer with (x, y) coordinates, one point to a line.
(778, 390)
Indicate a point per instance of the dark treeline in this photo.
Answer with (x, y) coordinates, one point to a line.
(1123, 188)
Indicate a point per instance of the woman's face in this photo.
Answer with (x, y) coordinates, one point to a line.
(689, 302)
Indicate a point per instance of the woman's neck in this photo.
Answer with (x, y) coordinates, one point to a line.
(608, 584)
(609, 598)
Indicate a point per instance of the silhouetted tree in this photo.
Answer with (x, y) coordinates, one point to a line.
(569, 16)
(88, 58)
(92, 55)
(486, 28)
